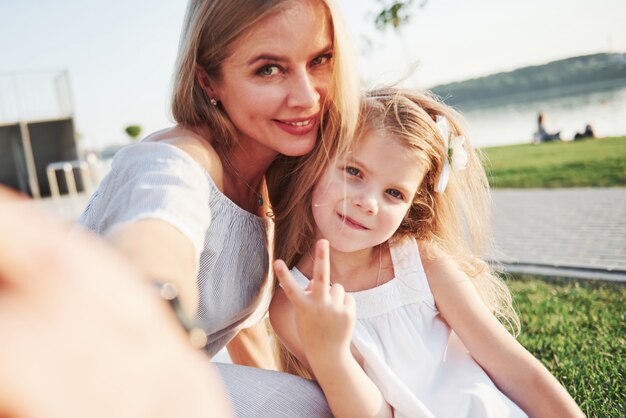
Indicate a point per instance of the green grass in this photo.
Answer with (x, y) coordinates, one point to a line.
(577, 329)
(587, 163)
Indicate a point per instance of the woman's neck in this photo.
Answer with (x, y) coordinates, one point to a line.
(242, 179)
(243, 166)
(248, 157)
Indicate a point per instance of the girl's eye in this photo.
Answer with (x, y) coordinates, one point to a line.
(268, 70)
(322, 59)
(353, 171)
(396, 194)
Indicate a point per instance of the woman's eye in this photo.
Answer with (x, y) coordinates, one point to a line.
(268, 70)
(322, 59)
(396, 194)
(353, 171)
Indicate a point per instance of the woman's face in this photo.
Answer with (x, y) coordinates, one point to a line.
(273, 84)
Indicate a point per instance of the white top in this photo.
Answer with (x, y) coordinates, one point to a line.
(421, 367)
(156, 180)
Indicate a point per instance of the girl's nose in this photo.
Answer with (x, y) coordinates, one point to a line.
(367, 203)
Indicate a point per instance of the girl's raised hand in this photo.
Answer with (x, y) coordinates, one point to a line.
(325, 314)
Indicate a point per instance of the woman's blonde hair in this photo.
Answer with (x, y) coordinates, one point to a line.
(209, 31)
(457, 221)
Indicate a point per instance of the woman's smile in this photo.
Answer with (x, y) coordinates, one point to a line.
(300, 126)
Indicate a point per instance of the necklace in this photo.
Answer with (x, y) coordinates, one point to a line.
(380, 264)
(252, 189)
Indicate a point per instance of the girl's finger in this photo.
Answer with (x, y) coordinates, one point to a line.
(321, 270)
(349, 302)
(294, 292)
(337, 294)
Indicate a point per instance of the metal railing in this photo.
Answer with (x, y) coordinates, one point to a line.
(91, 172)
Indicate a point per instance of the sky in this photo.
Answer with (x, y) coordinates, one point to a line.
(119, 54)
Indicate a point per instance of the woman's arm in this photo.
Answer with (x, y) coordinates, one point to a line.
(162, 253)
(83, 335)
(316, 325)
(155, 203)
(160, 248)
(512, 368)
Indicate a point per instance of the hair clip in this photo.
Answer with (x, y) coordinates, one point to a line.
(456, 156)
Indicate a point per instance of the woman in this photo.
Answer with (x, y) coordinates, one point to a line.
(259, 85)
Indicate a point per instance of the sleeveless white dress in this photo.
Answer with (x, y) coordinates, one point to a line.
(421, 367)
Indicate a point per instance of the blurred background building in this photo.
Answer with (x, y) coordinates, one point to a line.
(36, 130)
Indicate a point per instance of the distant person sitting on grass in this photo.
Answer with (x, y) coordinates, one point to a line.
(542, 135)
(587, 133)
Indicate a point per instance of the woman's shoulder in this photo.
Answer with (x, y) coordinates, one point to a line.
(194, 146)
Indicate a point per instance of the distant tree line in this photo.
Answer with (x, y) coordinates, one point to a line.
(577, 74)
(537, 80)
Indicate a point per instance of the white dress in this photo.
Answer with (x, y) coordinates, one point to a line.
(421, 367)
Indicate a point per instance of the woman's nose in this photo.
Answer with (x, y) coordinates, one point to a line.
(303, 91)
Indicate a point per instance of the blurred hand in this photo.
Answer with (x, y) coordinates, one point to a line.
(325, 314)
(82, 336)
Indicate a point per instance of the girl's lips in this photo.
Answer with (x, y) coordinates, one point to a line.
(351, 222)
(300, 126)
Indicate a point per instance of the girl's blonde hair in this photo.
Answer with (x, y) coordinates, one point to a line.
(210, 29)
(457, 221)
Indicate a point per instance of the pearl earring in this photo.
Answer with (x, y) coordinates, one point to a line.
(213, 101)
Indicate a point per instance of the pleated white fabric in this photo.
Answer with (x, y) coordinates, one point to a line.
(156, 180)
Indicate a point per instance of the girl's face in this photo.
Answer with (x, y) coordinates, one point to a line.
(274, 82)
(361, 199)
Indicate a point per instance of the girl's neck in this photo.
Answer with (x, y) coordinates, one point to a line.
(355, 271)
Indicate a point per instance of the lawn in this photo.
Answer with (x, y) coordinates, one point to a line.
(587, 163)
(577, 329)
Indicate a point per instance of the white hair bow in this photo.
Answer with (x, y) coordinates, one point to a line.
(456, 156)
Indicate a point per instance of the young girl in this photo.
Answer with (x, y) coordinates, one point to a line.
(410, 325)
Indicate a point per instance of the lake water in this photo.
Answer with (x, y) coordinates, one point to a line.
(604, 109)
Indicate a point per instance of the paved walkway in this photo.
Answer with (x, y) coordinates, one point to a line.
(566, 232)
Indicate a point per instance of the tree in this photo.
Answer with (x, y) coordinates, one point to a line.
(133, 132)
(395, 13)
